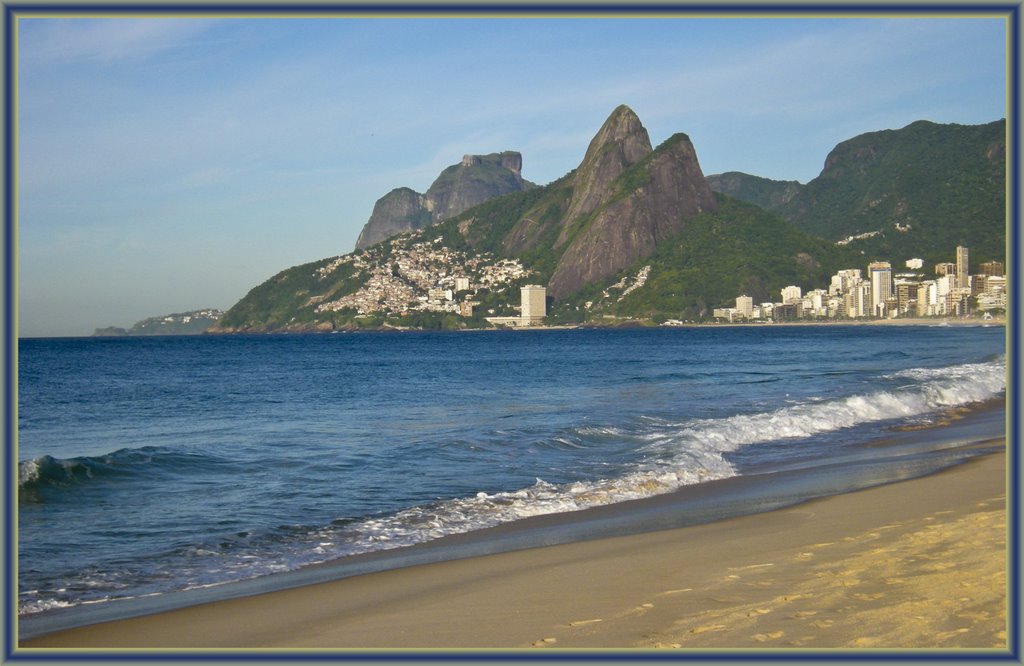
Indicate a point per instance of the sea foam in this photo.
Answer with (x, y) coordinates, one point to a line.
(684, 454)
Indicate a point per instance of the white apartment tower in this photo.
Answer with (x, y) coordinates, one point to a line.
(791, 294)
(880, 273)
(844, 280)
(745, 306)
(533, 306)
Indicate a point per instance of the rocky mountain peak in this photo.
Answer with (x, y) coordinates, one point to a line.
(621, 142)
(474, 180)
(650, 203)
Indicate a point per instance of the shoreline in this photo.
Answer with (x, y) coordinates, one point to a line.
(514, 599)
(837, 572)
(609, 324)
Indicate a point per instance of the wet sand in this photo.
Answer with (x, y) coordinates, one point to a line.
(915, 564)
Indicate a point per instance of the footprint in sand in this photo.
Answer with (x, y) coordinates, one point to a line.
(753, 566)
(545, 642)
(800, 615)
(771, 636)
(581, 623)
(822, 624)
(944, 635)
(685, 589)
(710, 627)
(637, 610)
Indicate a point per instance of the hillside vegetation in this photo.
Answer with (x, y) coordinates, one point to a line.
(636, 232)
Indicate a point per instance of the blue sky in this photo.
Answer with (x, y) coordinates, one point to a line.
(169, 164)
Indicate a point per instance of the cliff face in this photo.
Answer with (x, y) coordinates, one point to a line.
(476, 179)
(640, 208)
(620, 143)
(396, 212)
(616, 207)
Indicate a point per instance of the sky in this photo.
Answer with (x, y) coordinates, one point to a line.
(173, 164)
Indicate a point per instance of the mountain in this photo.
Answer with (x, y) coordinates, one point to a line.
(179, 323)
(633, 231)
(616, 207)
(912, 192)
(459, 187)
(764, 192)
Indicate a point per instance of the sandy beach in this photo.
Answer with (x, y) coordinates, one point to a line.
(916, 564)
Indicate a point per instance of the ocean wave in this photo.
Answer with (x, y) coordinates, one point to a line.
(682, 454)
(50, 471)
(673, 454)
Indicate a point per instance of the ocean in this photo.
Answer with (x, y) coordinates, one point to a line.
(149, 466)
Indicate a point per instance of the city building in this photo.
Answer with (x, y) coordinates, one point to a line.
(534, 304)
(880, 274)
(857, 301)
(791, 295)
(462, 284)
(728, 314)
(992, 269)
(815, 303)
(928, 299)
(906, 296)
(745, 306)
(963, 273)
(844, 280)
(883, 294)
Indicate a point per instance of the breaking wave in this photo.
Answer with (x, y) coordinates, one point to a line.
(669, 455)
(687, 453)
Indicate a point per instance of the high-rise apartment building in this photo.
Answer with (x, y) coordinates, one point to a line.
(880, 275)
(963, 274)
(745, 306)
(992, 269)
(533, 306)
(856, 301)
(844, 280)
(790, 295)
(928, 299)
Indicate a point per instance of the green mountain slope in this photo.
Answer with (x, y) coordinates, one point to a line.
(739, 249)
(636, 231)
(194, 322)
(919, 190)
(764, 192)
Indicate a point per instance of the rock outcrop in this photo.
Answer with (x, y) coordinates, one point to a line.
(397, 212)
(474, 180)
(614, 209)
(641, 208)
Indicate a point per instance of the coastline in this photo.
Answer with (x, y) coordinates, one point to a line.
(915, 564)
(627, 323)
